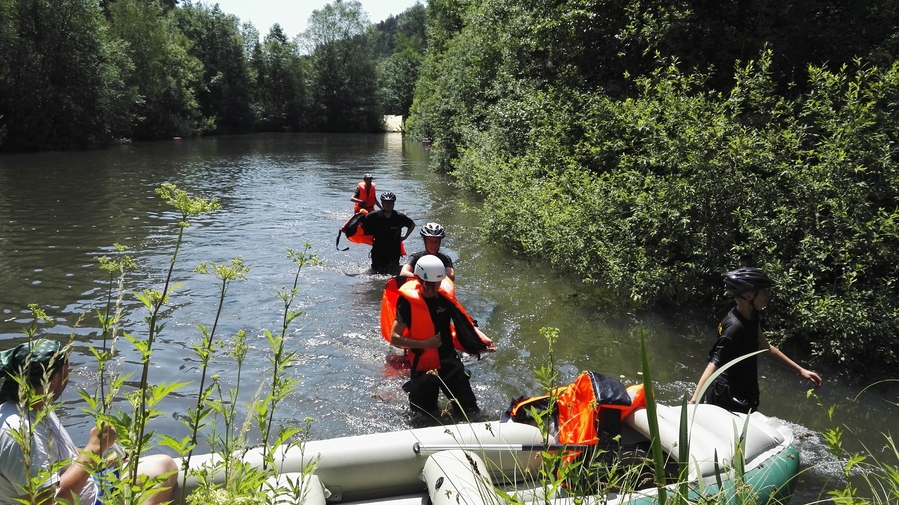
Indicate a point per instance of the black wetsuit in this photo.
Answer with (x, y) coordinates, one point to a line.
(386, 235)
(737, 388)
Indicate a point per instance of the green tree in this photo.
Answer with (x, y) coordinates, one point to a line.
(217, 42)
(398, 73)
(343, 75)
(60, 83)
(280, 87)
(606, 138)
(164, 75)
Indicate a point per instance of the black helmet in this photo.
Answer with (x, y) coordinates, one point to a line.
(367, 177)
(387, 196)
(746, 280)
(432, 230)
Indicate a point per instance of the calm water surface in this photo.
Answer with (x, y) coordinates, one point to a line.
(59, 211)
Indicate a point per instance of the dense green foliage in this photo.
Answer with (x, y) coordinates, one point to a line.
(610, 138)
(163, 77)
(400, 48)
(216, 41)
(77, 74)
(343, 73)
(60, 78)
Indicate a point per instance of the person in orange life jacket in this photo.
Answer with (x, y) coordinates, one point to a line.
(740, 333)
(424, 311)
(385, 226)
(432, 234)
(365, 196)
(44, 365)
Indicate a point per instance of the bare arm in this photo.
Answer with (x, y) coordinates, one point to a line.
(783, 360)
(409, 230)
(709, 370)
(76, 476)
(491, 347)
(451, 273)
(398, 340)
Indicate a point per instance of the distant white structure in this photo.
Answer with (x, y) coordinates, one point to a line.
(393, 124)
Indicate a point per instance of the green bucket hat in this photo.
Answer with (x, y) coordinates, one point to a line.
(41, 351)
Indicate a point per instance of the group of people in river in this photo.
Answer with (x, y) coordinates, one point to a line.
(420, 313)
(735, 388)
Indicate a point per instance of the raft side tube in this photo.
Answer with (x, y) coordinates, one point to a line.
(373, 466)
(456, 477)
(712, 430)
(705, 446)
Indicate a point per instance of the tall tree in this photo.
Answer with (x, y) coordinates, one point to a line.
(280, 88)
(344, 80)
(218, 43)
(164, 75)
(398, 73)
(60, 85)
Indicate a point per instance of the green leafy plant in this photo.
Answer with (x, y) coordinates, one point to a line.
(226, 273)
(879, 475)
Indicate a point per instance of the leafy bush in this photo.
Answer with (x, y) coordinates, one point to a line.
(657, 195)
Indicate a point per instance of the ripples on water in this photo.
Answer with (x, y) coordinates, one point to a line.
(59, 211)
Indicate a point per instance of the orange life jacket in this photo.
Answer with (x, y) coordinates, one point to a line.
(388, 303)
(422, 327)
(585, 418)
(367, 196)
(354, 230)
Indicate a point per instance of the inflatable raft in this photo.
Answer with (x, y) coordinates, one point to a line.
(478, 463)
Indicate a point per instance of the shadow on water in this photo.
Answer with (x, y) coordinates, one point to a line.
(59, 211)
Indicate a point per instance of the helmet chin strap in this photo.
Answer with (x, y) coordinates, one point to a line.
(751, 301)
(754, 310)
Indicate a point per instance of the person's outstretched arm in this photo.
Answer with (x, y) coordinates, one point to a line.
(783, 360)
(406, 271)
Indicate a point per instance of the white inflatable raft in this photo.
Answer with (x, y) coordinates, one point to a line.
(466, 464)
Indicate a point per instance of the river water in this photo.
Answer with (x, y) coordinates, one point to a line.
(59, 211)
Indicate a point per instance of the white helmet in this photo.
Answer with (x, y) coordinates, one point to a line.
(429, 268)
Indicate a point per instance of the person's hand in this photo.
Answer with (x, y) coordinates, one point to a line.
(491, 347)
(101, 439)
(117, 456)
(432, 342)
(812, 377)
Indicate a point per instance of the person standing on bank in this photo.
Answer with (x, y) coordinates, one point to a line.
(432, 234)
(44, 364)
(386, 228)
(740, 333)
(427, 313)
(365, 196)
